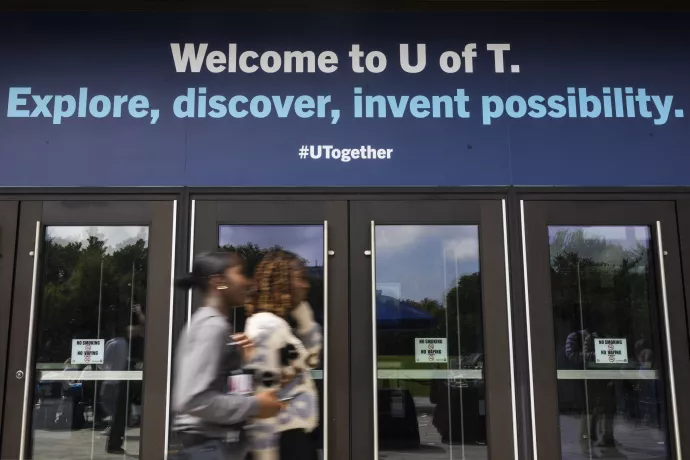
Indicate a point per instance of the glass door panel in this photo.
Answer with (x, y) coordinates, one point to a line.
(608, 308)
(312, 230)
(428, 281)
(90, 341)
(91, 315)
(306, 241)
(429, 341)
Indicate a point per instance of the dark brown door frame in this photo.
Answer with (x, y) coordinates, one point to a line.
(537, 216)
(488, 214)
(683, 207)
(9, 213)
(160, 215)
(209, 214)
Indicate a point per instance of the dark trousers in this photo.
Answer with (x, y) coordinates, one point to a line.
(297, 445)
(118, 422)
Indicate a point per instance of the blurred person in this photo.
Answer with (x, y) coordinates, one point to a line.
(287, 345)
(210, 420)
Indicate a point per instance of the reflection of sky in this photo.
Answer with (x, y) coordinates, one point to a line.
(424, 261)
(409, 258)
(304, 240)
(115, 237)
(625, 236)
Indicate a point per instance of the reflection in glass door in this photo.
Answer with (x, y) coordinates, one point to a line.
(437, 310)
(83, 316)
(429, 342)
(608, 339)
(315, 231)
(89, 348)
(615, 390)
(307, 242)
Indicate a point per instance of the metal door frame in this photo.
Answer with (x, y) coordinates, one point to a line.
(539, 211)
(210, 212)
(156, 211)
(490, 214)
(9, 214)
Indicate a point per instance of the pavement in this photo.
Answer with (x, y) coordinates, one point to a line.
(635, 440)
(86, 444)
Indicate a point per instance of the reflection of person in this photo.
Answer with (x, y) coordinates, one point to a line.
(600, 400)
(288, 345)
(114, 393)
(208, 417)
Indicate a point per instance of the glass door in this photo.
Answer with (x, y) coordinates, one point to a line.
(88, 359)
(607, 330)
(8, 237)
(432, 366)
(316, 231)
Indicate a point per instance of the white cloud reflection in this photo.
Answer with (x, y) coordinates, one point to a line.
(304, 240)
(425, 260)
(115, 237)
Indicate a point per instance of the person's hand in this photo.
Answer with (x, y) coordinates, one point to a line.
(269, 404)
(246, 345)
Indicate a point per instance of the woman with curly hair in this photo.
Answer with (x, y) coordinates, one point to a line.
(287, 346)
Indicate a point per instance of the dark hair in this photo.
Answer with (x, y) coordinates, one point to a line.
(207, 265)
(273, 275)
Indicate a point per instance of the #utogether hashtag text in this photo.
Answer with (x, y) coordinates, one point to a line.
(364, 152)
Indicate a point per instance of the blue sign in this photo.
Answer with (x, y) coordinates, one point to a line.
(390, 99)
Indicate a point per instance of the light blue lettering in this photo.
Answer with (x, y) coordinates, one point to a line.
(442, 107)
(183, 107)
(558, 110)
(260, 106)
(372, 103)
(585, 102)
(492, 108)
(65, 106)
(97, 112)
(419, 107)
(138, 107)
(232, 107)
(322, 101)
(282, 106)
(15, 101)
(536, 103)
(218, 109)
(521, 107)
(304, 106)
(398, 107)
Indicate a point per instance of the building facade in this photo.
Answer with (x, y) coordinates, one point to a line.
(493, 208)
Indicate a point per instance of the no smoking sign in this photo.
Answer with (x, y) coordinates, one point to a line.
(431, 350)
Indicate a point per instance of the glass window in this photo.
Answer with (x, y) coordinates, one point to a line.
(89, 351)
(429, 338)
(306, 241)
(608, 343)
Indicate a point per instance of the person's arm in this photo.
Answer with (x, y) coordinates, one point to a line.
(573, 348)
(197, 371)
(309, 332)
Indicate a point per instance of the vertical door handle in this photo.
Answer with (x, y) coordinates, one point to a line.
(30, 343)
(326, 254)
(667, 323)
(372, 254)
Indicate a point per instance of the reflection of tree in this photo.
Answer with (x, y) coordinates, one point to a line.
(73, 291)
(461, 321)
(596, 281)
(253, 253)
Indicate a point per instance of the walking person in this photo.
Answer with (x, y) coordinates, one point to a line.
(210, 419)
(287, 345)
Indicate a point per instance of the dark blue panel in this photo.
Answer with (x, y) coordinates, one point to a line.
(129, 54)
